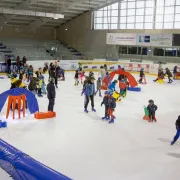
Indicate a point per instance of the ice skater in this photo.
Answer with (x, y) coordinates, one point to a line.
(169, 74)
(98, 87)
(51, 94)
(112, 86)
(122, 87)
(152, 108)
(81, 75)
(176, 137)
(142, 77)
(160, 75)
(105, 102)
(89, 94)
(76, 77)
(112, 106)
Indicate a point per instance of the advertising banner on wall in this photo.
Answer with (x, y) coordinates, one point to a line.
(139, 39)
(154, 40)
(121, 39)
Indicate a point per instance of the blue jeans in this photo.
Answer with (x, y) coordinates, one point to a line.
(176, 137)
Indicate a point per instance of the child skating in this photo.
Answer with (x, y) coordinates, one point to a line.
(142, 77)
(152, 108)
(176, 137)
(112, 106)
(98, 87)
(105, 102)
(122, 87)
(112, 86)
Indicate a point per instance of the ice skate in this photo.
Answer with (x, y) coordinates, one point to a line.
(93, 110)
(111, 121)
(85, 110)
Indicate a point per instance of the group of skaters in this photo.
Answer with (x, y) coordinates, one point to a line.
(109, 101)
(35, 81)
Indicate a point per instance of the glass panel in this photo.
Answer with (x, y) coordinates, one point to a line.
(169, 10)
(114, 13)
(140, 4)
(122, 26)
(139, 12)
(149, 11)
(130, 26)
(148, 18)
(158, 51)
(106, 26)
(177, 17)
(150, 3)
(169, 18)
(99, 14)
(148, 26)
(177, 9)
(123, 20)
(98, 26)
(177, 25)
(131, 12)
(168, 25)
(131, 4)
(123, 12)
(169, 2)
(123, 5)
(159, 18)
(160, 3)
(113, 26)
(139, 26)
(177, 2)
(98, 20)
(139, 18)
(107, 20)
(107, 13)
(158, 25)
(130, 19)
(114, 19)
(107, 8)
(114, 6)
(160, 10)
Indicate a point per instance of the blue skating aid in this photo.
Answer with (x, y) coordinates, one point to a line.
(4, 124)
(0, 124)
(137, 89)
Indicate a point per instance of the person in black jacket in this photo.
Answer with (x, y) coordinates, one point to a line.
(169, 74)
(174, 72)
(51, 94)
(9, 66)
(176, 137)
(152, 108)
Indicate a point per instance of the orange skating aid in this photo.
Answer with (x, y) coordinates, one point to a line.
(44, 115)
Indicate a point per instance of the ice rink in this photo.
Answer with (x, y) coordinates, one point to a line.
(84, 147)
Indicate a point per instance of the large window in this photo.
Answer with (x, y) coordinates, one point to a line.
(139, 14)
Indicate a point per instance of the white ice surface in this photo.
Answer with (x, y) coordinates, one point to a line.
(84, 147)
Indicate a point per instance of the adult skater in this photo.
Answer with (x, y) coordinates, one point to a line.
(160, 65)
(102, 73)
(169, 74)
(174, 72)
(51, 94)
(176, 137)
(89, 94)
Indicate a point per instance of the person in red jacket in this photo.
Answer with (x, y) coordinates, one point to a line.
(123, 87)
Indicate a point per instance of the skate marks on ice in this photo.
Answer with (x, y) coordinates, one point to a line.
(176, 155)
(168, 141)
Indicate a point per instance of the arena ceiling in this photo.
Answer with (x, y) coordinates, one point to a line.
(23, 12)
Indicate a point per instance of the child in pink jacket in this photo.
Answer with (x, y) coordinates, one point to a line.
(82, 74)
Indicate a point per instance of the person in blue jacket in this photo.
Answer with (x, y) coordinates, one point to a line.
(89, 92)
(176, 137)
(112, 86)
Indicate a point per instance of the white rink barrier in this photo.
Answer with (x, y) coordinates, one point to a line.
(112, 65)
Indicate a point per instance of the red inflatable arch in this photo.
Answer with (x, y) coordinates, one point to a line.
(131, 79)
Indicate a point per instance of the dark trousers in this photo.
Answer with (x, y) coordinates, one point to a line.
(176, 137)
(87, 101)
(8, 69)
(51, 104)
(106, 111)
(56, 80)
(18, 68)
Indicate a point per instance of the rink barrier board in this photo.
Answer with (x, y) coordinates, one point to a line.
(20, 166)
